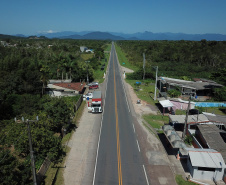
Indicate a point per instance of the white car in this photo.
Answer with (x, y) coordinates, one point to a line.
(93, 83)
(88, 95)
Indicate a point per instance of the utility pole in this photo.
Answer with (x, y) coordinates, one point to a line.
(186, 119)
(156, 78)
(87, 71)
(31, 153)
(31, 148)
(144, 65)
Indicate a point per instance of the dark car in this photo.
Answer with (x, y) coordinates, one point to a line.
(194, 112)
(93, 87)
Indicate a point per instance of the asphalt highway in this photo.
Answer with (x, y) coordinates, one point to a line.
(118, 159)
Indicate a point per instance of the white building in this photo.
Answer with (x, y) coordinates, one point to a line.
(83, 48)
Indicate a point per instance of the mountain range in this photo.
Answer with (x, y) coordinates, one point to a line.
(135, 36)
(96, 35)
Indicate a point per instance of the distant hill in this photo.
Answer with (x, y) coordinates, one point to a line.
(3, 36)
(63, 34)
(122, 36)
(102, 36)
(19, 35)
(71, 37)
(94, 36)
(172, 36)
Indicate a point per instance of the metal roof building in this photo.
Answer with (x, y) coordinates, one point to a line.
(205, 164)
(211, 138)
(198, 85)
(200, 88)
(215, 118)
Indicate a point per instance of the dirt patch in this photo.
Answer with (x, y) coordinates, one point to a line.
(126, 70)
(143, 107)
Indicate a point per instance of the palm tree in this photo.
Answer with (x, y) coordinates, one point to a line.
(44, 76)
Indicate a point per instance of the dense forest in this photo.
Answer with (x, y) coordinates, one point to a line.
(179, 59)
(26, 65)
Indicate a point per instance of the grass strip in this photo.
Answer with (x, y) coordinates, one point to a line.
(181, 181)
(123, 59)
(156, 121)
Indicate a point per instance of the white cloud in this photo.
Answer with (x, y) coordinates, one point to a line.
(49, 31)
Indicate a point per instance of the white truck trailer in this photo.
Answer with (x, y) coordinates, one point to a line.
(96, 105)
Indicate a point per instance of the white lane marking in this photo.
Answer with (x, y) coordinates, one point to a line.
(133, 128)
(138, 146)
(122, 81)
(94, 173)
(145, 175)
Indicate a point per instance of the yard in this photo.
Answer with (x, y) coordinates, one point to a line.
(156, 121)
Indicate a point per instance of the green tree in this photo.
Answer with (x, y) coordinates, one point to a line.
(45, 71)
(220, 94)
(12, 171)
(174, 93)
(59, 113)
(219, 76)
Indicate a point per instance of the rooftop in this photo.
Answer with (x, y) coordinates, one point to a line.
(73, 86)
(216, 118)
(211, 134)
(191, 118)
(206, 158)
(198, 85)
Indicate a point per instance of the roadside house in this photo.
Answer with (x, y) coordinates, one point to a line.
(193, 88)
(66, 89)
(205, 164)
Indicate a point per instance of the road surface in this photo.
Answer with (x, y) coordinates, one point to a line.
(118, 159)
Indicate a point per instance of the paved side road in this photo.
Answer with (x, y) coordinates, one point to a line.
(81, 159)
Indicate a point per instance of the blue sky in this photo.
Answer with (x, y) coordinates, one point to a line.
(31, 17)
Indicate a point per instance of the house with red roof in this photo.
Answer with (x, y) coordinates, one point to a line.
(66, 89)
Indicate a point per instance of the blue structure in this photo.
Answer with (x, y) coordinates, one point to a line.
(209, 104)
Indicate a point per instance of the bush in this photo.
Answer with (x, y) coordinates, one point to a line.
(174, 93)
(220, 94)
(188, 140)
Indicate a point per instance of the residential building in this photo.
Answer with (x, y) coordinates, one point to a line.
(193, 88)
(205, 164)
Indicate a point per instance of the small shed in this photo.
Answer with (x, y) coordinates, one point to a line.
(166, 104)
(205, 164)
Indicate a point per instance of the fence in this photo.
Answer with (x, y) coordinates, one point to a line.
(42, 171)
(78, 103)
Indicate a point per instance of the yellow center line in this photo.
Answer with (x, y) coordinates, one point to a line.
(117, 133)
